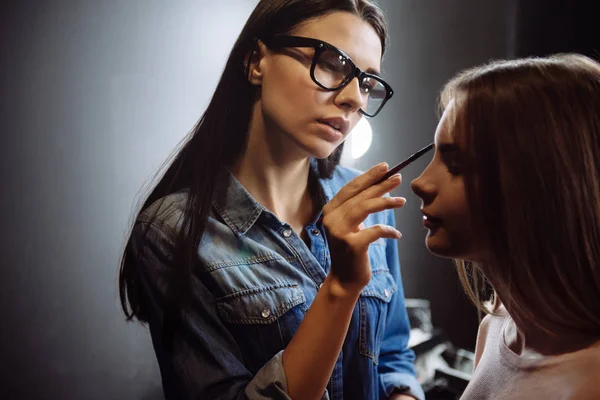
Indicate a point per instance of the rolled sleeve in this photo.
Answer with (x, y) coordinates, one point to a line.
(403, 383)
(270, 381)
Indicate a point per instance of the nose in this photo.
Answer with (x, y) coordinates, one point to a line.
(424, 188)
(350, 97)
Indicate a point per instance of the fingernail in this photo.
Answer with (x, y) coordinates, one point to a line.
(383, 166)
(395, 178)
(400, 200)
(398, 233)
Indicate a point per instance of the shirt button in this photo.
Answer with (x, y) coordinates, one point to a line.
(265, 313)
(315, 232)
(386, 293)
(287, 233)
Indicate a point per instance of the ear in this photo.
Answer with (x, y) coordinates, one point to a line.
(257, 63)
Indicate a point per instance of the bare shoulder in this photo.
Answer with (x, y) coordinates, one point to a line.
(589, 360)
(587, 388)
(582, 370)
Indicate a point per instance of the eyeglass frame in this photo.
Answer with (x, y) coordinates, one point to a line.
(320, 46)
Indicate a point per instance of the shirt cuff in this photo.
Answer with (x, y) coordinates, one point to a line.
(402, 383)
(270, 382)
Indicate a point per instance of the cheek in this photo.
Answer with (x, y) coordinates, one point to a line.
(289, 96)
(460, 237)
(288, 80)
(459, 212)
(462, 241)
(455, 238)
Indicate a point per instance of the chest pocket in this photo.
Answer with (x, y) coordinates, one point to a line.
(263, 319)
(373, 305)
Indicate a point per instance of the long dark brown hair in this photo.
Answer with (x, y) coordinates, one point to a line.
(218, 140)
(532, 127)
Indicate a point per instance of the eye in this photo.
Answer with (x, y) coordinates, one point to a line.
(331, 62)
(330, 66)
(453, 160)
(454, 167)
(367, 85)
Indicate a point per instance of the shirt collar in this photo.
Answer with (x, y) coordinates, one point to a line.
(240, 211)
(235, 205)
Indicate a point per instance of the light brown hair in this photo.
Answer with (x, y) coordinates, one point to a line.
(531, 128)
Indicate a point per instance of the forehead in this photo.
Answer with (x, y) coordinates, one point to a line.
(348, 33)
(443, 133)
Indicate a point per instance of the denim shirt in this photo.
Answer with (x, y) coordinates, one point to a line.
(255, 281)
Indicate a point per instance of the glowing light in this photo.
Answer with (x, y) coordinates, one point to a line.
(360, 138)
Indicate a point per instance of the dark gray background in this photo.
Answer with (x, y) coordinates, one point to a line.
(95, 95)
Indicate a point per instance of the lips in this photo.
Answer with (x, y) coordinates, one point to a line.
(430, 221)
(337, 123)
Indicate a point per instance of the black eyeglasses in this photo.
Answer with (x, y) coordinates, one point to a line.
(332, 69)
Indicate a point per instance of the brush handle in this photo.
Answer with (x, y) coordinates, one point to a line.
(406, 162)
(397, 168)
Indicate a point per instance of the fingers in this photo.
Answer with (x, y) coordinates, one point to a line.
(356, 186)
(358, 214)
(375, 191)
(362, 239)
(344, 226)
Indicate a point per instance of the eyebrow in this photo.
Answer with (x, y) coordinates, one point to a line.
(369, 70)
(372, 71)
(448, 148)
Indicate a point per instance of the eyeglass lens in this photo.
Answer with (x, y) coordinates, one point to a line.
(332, 70)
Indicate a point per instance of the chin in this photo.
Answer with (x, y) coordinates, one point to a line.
(442, 248)
(316, 146)
(321, 151)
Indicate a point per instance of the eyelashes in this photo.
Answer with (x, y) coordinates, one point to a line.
(454, 167)
(453, 163)
(452, 156)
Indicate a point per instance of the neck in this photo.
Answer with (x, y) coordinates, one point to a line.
(274, 175)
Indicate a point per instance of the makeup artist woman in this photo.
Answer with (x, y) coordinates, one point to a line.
(247, 291)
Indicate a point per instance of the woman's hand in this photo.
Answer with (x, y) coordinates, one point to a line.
(343, 220)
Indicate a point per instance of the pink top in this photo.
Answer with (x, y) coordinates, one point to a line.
(502, 374)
